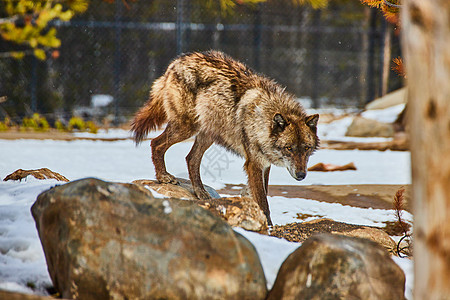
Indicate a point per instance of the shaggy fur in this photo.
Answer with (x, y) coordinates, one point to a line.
(220, 100)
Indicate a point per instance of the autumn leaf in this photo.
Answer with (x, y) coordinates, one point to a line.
(39, 53)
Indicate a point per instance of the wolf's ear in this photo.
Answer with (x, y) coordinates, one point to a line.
(279, 123)
(311, 122)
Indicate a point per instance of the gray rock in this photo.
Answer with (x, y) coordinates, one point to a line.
(115, 241)
(330, 266)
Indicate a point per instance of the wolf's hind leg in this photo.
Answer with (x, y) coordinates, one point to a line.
(194, 159)
(171, 135)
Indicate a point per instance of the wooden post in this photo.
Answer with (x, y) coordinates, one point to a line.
(385, 49)
(426, 43)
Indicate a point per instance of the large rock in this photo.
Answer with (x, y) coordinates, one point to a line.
(237, 211)
(362, 127)
(115, 241)
(338, 267)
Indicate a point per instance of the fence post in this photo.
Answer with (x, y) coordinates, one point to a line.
(371, 57)
(117, 58)
(257, 39)
(181, 26)
(315, 59)
(385, 59)
(34, 83)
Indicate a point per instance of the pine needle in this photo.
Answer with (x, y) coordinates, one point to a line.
(398, 67)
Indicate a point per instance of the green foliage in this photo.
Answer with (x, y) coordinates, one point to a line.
(227, 6)
(76, 123)
(6, 124)
(91, 127)
(39, 123)
(27, 22)
(316, 4)
(36, 123)
(60, 126)
(31, 285)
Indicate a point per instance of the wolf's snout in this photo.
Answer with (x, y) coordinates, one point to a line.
(300, 175)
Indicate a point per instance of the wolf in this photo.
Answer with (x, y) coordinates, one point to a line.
(219, 100)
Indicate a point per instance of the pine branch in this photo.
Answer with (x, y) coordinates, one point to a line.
(373, 3)
(399, 205)
(399, 200)
(398, 67)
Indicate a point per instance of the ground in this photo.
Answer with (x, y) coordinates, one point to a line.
(359, 198)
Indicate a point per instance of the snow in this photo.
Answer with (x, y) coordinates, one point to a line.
(22, 260)
(386, 115)
(336, 130)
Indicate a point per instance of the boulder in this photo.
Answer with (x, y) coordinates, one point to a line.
(116, 241)
(237, 211)
(362, 127)
(330, 266)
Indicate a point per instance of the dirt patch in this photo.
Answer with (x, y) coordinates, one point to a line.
(378, 196)
(299, 232)
(395, 145)
(53, 134)
(49, 135)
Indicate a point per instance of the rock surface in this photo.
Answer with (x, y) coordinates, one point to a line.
(182, 190)
(362, 127)
(237, 211)
(338, 267)
(115, 241)
(6, 295)
(377, 235)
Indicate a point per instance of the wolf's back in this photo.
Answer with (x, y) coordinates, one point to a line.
(152, 115)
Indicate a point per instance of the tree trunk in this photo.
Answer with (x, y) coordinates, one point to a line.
(426, 41)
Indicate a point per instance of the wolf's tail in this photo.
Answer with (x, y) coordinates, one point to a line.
(152, 115)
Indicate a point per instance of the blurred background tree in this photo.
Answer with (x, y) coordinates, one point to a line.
(325, 52)
(26, 23)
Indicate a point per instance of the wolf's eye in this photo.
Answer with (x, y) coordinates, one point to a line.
(307, 148)
(289, 148)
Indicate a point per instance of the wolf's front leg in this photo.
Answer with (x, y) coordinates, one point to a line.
(256, 183)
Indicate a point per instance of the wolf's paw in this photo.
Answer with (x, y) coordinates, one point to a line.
(202, 195)
(166, 178)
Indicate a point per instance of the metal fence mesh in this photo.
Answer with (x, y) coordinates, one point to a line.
(327, 57)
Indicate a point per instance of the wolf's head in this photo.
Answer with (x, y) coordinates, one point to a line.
(294, 140)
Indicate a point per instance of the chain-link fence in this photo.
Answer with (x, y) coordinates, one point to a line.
(332, 56)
